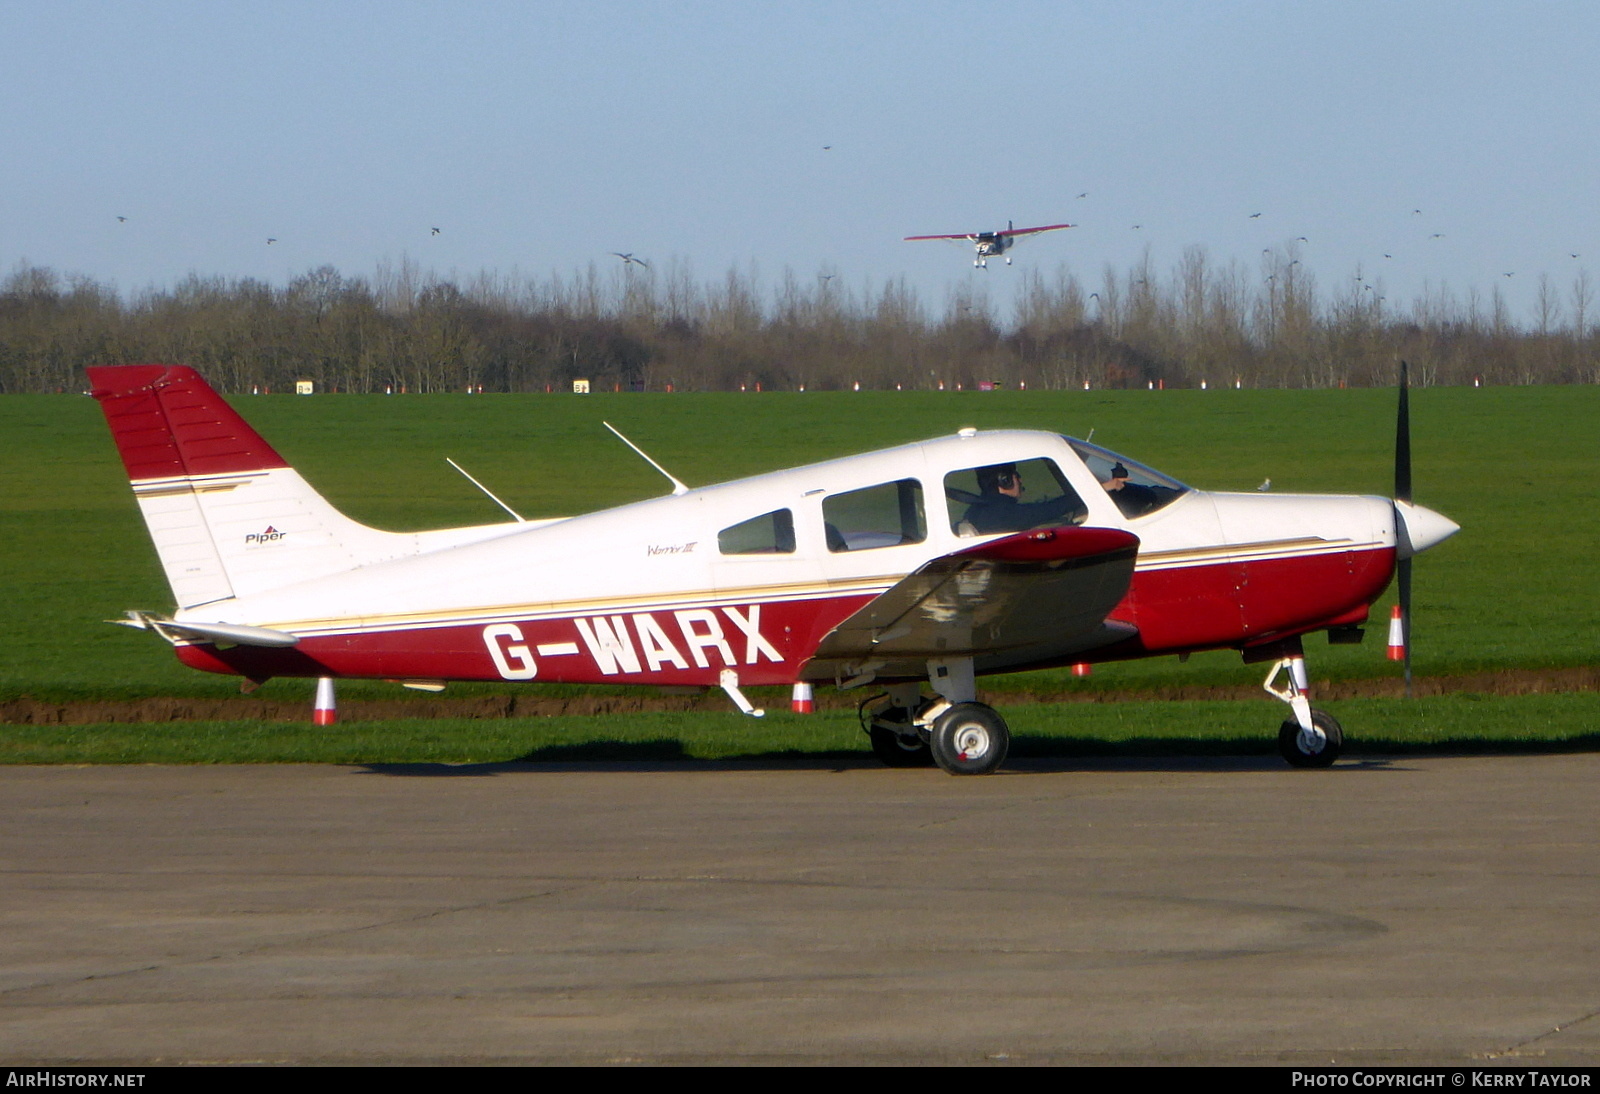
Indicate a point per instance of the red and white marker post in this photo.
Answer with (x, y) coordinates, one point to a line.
(1397, 636)
(327, 712)
(801, 701)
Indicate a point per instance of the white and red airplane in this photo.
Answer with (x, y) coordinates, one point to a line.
(939, 561)
(993, 244)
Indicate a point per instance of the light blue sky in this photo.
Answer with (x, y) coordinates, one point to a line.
(539, 137)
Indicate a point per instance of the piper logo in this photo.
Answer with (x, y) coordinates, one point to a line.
(271, 535)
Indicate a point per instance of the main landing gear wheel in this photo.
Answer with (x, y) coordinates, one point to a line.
(969, 739)
(895, 741)
(1306, 750)
(900, 749)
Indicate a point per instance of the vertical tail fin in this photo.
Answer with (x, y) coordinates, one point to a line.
(228, 515)
(168, 423)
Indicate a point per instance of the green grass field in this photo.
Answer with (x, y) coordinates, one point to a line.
(1516, 467)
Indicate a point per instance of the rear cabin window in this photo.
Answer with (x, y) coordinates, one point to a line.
(887, 515)
(769, 534)
(1011, 497)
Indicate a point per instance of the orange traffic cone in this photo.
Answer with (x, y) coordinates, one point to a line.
(802, 703)
(1397, 636)
(327, 712)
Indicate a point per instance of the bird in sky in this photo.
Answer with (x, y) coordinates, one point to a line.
(124, 220)
(1437, 235)
(1084, 194)
(629, 260)
(1255, 216)
(271, 240)
(436, 231)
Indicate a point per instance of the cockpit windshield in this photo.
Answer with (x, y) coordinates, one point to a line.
(1138, 490)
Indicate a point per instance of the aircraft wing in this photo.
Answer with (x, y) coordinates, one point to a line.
(1031, 231)
(1046, 592)
(958, 235)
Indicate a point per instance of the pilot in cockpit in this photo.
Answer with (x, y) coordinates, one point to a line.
(1000, 507)
(1132, 498)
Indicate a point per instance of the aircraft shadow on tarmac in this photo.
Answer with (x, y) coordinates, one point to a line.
(1029, 755)
(669, 755)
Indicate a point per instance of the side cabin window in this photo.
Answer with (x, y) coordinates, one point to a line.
(769, 534)
(1011, 497)
(886, 515)
(1138, 490)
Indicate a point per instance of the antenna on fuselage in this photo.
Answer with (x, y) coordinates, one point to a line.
(518, 517)
(677, 487)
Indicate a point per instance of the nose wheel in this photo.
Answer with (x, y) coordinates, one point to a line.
(1315, 749)
(1311, 738)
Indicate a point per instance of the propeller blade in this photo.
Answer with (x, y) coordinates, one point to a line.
(1402, 442)
(1403, 569)
(1402, 492)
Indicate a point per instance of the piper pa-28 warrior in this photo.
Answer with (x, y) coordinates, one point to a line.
(989, 245)
(935, 563)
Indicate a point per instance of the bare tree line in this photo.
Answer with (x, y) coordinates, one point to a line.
(637, 329)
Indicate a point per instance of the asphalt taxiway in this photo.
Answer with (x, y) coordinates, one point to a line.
(1439, 910)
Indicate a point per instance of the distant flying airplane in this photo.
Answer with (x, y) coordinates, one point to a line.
(993, 244)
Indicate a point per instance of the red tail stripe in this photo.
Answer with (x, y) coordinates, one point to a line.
(167, 421)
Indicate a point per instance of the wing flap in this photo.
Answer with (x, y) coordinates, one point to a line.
(1048, 588)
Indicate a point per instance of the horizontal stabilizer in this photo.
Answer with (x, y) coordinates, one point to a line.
(1046, 589)
(233, 634)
